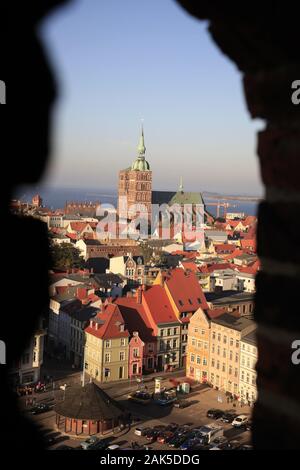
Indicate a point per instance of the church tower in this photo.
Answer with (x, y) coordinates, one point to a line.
(135, 185)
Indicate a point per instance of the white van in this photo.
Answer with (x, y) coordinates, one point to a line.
(210, 432)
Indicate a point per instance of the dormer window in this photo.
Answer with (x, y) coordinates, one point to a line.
(122, 328)
(180, 302)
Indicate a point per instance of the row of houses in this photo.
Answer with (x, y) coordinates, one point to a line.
(222, 351)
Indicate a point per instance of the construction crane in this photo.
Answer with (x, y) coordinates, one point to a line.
(219, 204)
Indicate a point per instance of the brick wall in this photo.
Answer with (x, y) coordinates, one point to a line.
(263, 44)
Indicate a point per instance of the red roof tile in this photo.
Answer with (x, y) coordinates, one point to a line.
(135, 318)
(185, 290)
(158, 305)
(189, 265)
(110, 328)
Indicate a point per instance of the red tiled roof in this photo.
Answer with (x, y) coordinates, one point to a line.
(158, 304)
(78, 226)
(224, 248)
(186, 254)
(236, 252)
(73, 236)
(250, 220)
(110, 329)
(215, 312)
(219, 266)
(189, 265)
(249, 243)
(185, 290)
(135, 318)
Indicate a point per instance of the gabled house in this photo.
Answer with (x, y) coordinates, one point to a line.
(130, 266)
(185, 296)
(137, 321)
(107, 346)
(166, 327)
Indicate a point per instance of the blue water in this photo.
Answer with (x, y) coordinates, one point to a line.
(55, 198)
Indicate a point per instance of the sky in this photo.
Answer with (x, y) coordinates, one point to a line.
(120, 61)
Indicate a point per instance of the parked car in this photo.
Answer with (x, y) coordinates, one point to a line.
(246, 447)
(90, 443)
(189, 443)
(141, 430)
(228, 417)
(113, 447)
(140, 396)
(165, 437)
(152, 435)
(240, 421)
(219, 442)
(40, 408)
(215, 413)
(102, 444)
(178, 441)
(231, 445)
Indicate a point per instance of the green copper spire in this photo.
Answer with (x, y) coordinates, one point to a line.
(141, 163)
(141, 147)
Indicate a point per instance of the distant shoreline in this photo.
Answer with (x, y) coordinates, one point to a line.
(224, 197)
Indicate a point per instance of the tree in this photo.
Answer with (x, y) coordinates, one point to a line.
(66, 256)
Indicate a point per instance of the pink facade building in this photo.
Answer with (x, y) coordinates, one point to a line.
(136, 354)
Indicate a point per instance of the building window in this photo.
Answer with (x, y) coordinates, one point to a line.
(224, 339)
(122, 355)
(175, 331)
(204, 361)
(169, 331)
(174, 343)
(161, 332)
(106, 373)
(135, 352)
(193, 342)
(123, 341)
(192, 358)
(108, 343)
(198, 360)
(107, 357)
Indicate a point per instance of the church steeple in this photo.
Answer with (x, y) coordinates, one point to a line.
(141, 163)
(141, 147)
